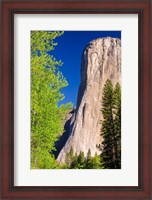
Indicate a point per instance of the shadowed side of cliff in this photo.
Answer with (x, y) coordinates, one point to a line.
(68, 124)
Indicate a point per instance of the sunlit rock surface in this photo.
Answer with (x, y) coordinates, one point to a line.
(101, 60)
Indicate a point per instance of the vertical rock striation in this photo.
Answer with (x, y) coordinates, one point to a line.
(101, 60)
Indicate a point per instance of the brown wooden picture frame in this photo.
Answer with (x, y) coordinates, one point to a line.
(144, 11)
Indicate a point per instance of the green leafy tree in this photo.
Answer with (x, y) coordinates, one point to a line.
(96, 162)
(46, 117)
(111, 126)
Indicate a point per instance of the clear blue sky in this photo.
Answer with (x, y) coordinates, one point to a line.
(69, 49)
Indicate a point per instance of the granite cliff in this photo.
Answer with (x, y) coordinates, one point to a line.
(101, 60)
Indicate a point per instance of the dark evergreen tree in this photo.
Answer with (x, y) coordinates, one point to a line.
(69, 157)
(67, 160)
(117, 122)
(74, 162)
(81, 160)
(88, 160)
(71, 153)
(111, 126)
(89, 155)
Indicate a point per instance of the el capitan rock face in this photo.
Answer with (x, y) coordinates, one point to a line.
(101, 60)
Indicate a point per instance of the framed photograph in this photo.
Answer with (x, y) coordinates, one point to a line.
(75, 99)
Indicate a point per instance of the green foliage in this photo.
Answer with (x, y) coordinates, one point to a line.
(111, 126)
(74, 162)
(95, 163)
(82, 162)
(117, 122)
(69, 157)
(89, 160)
(71, 153)
(43, 41)
(46, 117)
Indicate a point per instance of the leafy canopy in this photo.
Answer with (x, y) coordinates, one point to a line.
(46, 83)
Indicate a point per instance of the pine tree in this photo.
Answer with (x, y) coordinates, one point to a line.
(69, 157)
(111, 126)
(107, 126)
(81, 160)
(71, 153)
(74, 162)
(89, 155)
(46, 83)
(88, 160)
(67, 160)
(117, 122)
